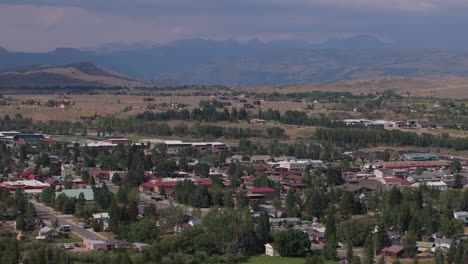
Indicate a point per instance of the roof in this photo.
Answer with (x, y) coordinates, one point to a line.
(393, 249)
(392, 179)
(100, 215)
(423, 244)
(352, 187)
(88, 193)
(262, 189)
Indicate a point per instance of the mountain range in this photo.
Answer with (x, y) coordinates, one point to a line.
(254, 63)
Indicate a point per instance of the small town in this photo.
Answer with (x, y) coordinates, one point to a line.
(83, 196)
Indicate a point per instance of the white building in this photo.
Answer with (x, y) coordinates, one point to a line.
(270, 250)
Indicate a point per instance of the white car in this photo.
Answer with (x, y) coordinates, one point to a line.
(67, 246)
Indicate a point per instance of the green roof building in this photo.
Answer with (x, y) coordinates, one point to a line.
(419, 157)
(88, 193)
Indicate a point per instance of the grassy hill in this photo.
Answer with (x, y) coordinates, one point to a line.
(69, 74)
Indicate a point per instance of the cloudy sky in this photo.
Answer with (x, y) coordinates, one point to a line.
(42, 25)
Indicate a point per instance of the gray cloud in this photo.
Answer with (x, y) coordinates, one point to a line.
(46, 24)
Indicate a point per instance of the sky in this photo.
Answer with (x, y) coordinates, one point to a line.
(43, 25)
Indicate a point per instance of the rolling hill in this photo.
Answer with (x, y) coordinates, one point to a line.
(69, 74)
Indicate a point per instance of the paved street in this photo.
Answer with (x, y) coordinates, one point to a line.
(48, 215)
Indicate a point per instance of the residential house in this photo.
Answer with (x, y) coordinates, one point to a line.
(261, 158)
(270, 250)
(394, 251)
(443, 243)
(462, 215)
(91, 244)
(424, 246)
(140, 246)
(75, 193)
(269, 193)
(390, 182)
(48, 232)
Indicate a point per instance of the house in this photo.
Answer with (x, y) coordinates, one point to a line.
(359, 187)
(140, 246)
(439, 185)
(48, 232)
(257, 121)
(75, 193)
(115, 243)
(462, 215)
(442, 243)
(424, 246)
(315, 236)
(288, 221)
(269, 193)
(261, 158)
(394, 251)
(381, 173)
(91, 244)
(270, 250)
(393, 181)
(32, 223)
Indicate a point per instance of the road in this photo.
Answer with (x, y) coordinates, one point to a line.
(48, 215)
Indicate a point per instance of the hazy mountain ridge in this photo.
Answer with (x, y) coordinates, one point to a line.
(228, 62)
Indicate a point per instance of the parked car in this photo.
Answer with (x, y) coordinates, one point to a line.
(67, 246)
(156, 198)
(65, 228)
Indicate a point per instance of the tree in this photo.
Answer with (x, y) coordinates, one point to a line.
(458, 184)
(369, 250)
(439, 259)
(409, 245)
(329, 250)
(291, 204)
(292, 243)
(150, 211)
(116, 179)
(455, 166)
(20, 223)
(30, 210)
(347, 203)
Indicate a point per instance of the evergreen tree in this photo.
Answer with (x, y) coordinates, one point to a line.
(329, 250)
(369, 250)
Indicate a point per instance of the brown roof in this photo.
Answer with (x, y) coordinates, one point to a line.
(350, 186)
(393, 249)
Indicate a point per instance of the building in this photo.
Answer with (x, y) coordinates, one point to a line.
(269, 193)
(140, 246)
(25, 185)
(261, 158)
(116, 140)
(31, 139)
(47, 232)
(270, 250)
(91, 244)
(394, 251)
(392, 181)
(257, 121)
(419, 157)
(462, 215)
(75, 193)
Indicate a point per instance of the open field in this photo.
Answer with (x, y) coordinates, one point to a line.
(444, 87)
(109, 104)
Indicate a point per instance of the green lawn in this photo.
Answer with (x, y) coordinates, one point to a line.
(279, 260)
